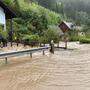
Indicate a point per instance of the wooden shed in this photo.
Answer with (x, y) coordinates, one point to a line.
(66, 26)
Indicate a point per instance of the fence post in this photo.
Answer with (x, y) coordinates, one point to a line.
(30, 54)
(6, 60)
(43, 52)
(52, 47)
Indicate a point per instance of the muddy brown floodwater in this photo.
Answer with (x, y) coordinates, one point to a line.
(65, 70)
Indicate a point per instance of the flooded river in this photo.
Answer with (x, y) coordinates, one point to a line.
(65, 70)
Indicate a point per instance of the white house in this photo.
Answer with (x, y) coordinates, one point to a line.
(5, 13)
(2, 18)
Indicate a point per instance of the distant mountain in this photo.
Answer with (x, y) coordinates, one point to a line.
(80, 5)
(78, 10)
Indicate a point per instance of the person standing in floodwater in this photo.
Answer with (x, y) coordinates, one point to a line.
(52, 47)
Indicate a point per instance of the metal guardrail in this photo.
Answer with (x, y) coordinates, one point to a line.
(16, 53)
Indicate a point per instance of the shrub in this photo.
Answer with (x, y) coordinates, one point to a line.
(73, 38)
(4, 34)
(85, 40)
(32, 40)
(73, 35)
(50, 35)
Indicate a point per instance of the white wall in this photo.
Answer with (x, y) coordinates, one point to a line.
(2, 17)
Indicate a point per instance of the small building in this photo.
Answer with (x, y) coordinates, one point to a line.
(5, 13)
(66, 26)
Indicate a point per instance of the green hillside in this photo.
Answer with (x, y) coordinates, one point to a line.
(33, 22)
(24, 5)
(77, 10)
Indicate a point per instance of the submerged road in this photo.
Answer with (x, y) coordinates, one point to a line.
(65, 70)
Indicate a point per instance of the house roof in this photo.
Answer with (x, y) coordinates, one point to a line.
(66, 26)
(9, 13)
(69, 24)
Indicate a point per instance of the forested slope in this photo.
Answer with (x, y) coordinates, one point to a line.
(78, 10)
(33, 22)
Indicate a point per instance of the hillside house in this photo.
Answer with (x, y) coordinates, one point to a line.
(6, 13)
(66, 26)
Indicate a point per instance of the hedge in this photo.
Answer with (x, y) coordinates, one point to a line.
(85, 40)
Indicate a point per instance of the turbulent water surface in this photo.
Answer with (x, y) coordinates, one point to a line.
(65, 70)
